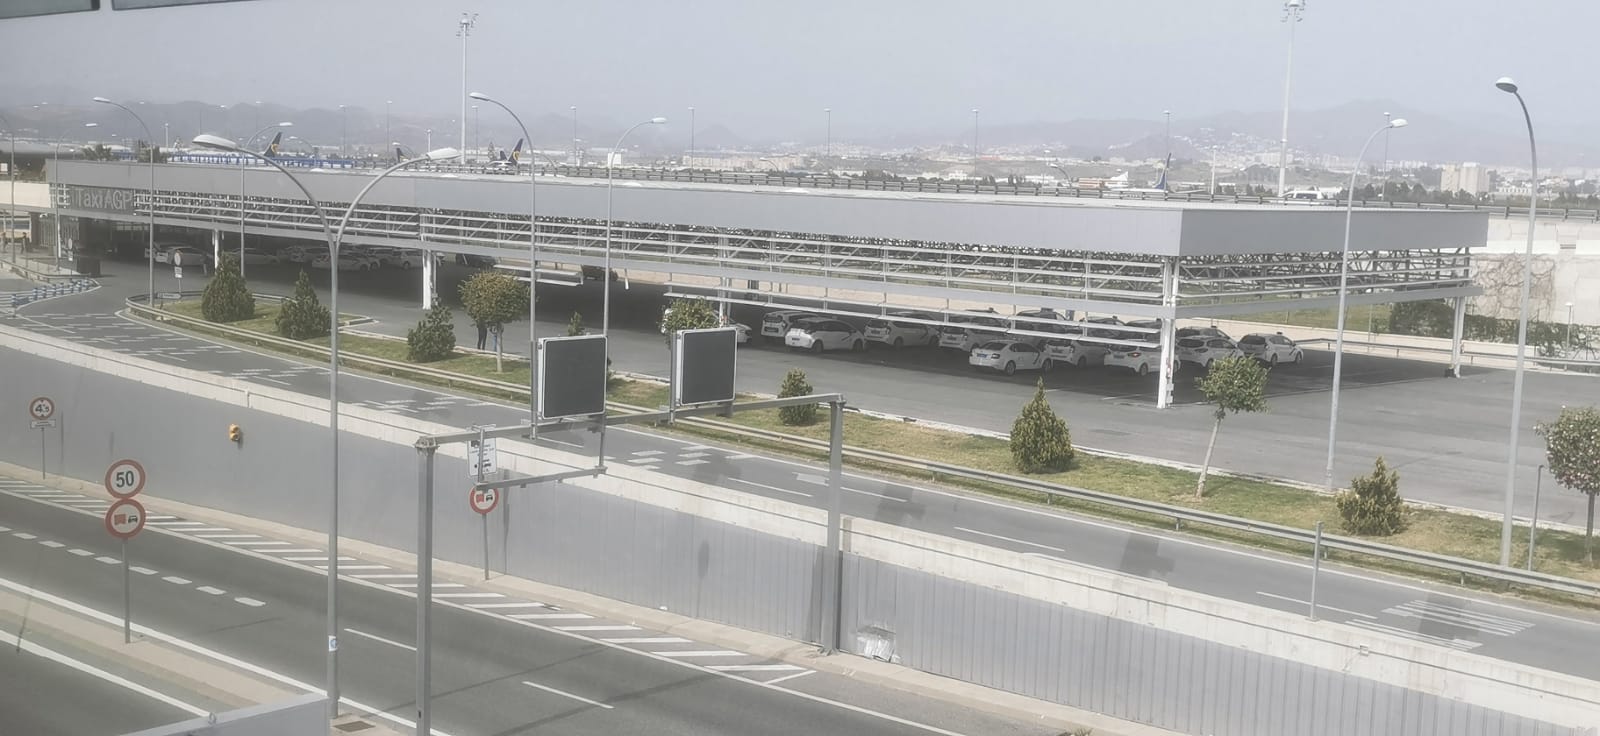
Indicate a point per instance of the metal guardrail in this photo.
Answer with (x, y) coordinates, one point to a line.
(1572, 364)
(692, 176)
(1179, 514)
(50, 291)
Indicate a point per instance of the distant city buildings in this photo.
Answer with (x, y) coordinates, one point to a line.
(740, 161)
(1471, 178)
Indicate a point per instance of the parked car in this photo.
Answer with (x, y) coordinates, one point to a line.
(1139, 359)
(258, 257)
(1271, 349)
(821, 334)
(741, 331)
(1204, 351)
(301, 254)
(164, 251)
(184, 257)
(775, 325)
(475, 261)
(1008, 357)
(1042, 320)
(347, 262)
(1183, 332)
(1144, 324)
(891, 330)
(501, 167)
(594, 273)
(964, 333)
(1066, 351)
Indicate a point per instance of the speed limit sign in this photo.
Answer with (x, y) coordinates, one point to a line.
(125, 478)
(41, 409)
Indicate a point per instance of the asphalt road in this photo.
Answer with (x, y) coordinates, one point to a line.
(43, 697)
(1484, 625)
(1446, 437)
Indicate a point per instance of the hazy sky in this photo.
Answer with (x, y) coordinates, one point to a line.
(768, 68)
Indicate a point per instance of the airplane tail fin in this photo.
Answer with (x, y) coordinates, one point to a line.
(1162, 182)
(516, 153)
(272, 148)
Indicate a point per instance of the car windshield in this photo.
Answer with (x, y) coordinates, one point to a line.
(1253, 340)
(878, 323)
(994, 346)
(1189, 342)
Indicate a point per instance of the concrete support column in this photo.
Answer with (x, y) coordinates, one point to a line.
(1169, 298)
(216, 247)
(1455, 335)
(722, 281)
(429, 276)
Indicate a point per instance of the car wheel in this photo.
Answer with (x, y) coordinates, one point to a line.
(816, 347)
(1209, 361)
(899, 342)
(1082, 361)
(1144, 369)
(1011, 367)
(1048, 365)
(858, 346)
(1299, 356)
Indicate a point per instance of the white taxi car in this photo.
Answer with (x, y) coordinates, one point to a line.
(821, 334)
(1008, 357)
(892, 330)
(1271, 349)
(1204, 351)
(1140, 360)
(1066, 351)
(775, 325)
(965, 333)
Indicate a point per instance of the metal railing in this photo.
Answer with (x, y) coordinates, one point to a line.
(1052, 491)
(50, 291)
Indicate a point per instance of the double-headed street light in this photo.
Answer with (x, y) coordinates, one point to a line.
(1344, 281)
(150, 250)
(242, 159)
(333, 237)
(533, 253)
(1506, 84)
(605, 275)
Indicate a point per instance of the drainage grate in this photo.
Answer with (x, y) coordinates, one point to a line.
(354, 726)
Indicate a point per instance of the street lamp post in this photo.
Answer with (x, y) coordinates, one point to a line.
(476, 127)
(1569, 329)
(533, 255)
(1213, 190)
(1293, 11)
(11, 171)
(974, 143)
(828, 150)
(1506, 84)
(1386, 117)
(242, 159)
(344, 128)
(1344, 281)
(691, 130)
(605, 276)
(150, 254)
(1168, 115)
(334, 237)
(463, 30)
(576, 159)
(430, 139)
(388, 130)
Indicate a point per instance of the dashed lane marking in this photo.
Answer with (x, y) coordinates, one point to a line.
(548, 616)
(175, 580)
(210, 590)
(251, 602)
(108, 560)
(600, 627)
(80, 552)
(754, 667)
(645, 639)
(704, 653)
(507, 605)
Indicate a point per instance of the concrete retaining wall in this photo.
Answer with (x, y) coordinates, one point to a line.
(1021, 622)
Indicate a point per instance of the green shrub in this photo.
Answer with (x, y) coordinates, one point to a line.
(575, 326)
(1372, 506)
(227, 298)
(688, 314)
(302, 316)
(434, 338)
(1040, 441)
(795, 384)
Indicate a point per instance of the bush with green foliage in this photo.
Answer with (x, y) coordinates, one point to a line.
(302, 316)
(1234, 384)
(434, 338)
(227, 298)
(575, 326)
(1572, 446)
(687, 314)
(494, 298)
(795, 384)
(1040, 441)
(1373, 507)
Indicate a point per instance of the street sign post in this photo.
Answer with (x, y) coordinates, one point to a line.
(484, 500)
(41, 408)
(40, 411)
(481, 457)
(125, 478)
(177, 272)
(124, 520)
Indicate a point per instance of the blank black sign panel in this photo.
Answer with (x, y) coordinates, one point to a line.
(705, 371)
(572, 376)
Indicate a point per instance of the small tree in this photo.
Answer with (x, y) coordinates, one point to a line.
(1572, 445)
(1040, 441)
(688, 314)
(302, 316)
(1234, 385)
(227, 298)
(795, 384)
(494, 298)
(1372, 506)
(434, 338)
(575, 325)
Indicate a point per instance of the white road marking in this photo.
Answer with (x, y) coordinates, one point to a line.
(80, 552)
(704, 653)
(13, 640)
(228, 536)
(175, 580)
(159, 517)
(295, 551)
(178, 523)
(243, 543)
(506, 605)
(696, 448)
(318, 559)
(770, 488)
(24, 535)
(754, 667)
(691, 462)
(547, 616)
(196, 530)
(1320, 606)
(436, 586)
(52, 544)
(645, 453)
(210, 590)
(1008, 539)
(251, 602)
(777, 680)
(1460, 644)
(384, 575)
(872, 493)
(565, 694)
(142, 570)
(377, 638)
(599, 627)
(108, 560)
(560, 442)
(742, 456)
(467, 595)
(692, 454)
(5, 528)
(645, 639)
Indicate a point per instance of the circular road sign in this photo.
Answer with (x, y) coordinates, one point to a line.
(483, 500)
(41, 408)
(125, 518)
(125, 478)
